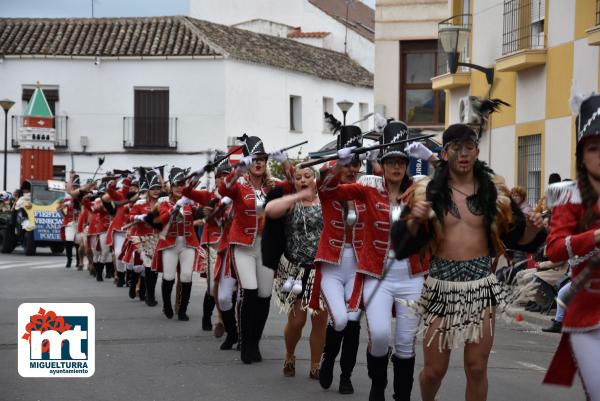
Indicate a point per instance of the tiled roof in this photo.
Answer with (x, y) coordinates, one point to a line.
(172, 36)
(300, 34)
(361, 18)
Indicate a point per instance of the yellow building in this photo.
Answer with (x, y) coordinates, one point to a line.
(537, 48)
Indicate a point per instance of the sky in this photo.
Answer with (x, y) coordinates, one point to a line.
(102, 8)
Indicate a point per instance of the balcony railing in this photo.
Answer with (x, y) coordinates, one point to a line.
(523, 25)
(150, 132)
(61, 124)
(463, 20)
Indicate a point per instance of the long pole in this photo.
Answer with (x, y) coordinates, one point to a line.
(5, 144)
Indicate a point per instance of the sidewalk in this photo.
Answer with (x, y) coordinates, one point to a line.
(534, 318)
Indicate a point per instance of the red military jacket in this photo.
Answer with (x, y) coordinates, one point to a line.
(247, 223)
(372, 191)
(121, 216)
(142, 206)
(334, 233)
(565, 243)
(100, 220)
(83, 219)
(71, 214)
(212, 227)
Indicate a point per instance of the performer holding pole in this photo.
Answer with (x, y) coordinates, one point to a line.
(465, 217)
(70, 209)
(247, 186)
(575, 237)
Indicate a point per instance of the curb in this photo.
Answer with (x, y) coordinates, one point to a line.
(534, 318)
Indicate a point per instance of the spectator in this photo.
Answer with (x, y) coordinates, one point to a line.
(519, 195)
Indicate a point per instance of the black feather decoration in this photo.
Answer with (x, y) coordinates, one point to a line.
(333, 123)
(242, 138)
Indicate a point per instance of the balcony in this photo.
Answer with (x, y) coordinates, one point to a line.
(523, 41)
(61, 124)
(462, 78)
(593, 34)
(150, 133)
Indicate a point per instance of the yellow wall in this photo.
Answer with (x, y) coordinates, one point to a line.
(559, 76)
(585, 17)
(526, 129)
(504, 87)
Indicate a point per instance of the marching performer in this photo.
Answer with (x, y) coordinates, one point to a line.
(465, 217)
(383, 276)
(575, 237)
(143, 235)
(70, 209)
(178, 243)
(300, 223)
(340, 247)
(247, 186)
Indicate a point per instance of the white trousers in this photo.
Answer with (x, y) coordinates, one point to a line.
(586, 347)
(380, 297)
(226, 288)
(179, 253)
(337, 283)
(70, 232)
(118, 240)
(250, 270)
(103, 255)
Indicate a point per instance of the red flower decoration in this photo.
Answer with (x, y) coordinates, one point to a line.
(44, 321)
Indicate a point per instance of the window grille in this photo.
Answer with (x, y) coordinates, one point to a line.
(523, 26)
(530, 166)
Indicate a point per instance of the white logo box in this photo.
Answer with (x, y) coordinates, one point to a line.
(77, 363)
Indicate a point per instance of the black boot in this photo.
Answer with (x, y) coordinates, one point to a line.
(120, 279)
(98, 267)
(142, 292)
(263, 306)
(207, 309)
(555, 327)
(377, 369)
(110, 270)
(77, 262)
(348, 357)
(230, 329)
(133, 284)
(151, 277)
(128, 274)
(404, 370)
(247, 323)
(186, 291)
(69, 252)
(166, 289)
(333, 342)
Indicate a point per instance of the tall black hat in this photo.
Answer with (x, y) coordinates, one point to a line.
(587, 123)
(176, 175)
(152, 179)
(253, 145)
(458, 132)
(223, 167)
(144, 187)
(394, 131)
(350, 135)
(76, 182)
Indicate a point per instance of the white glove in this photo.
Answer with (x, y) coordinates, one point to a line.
(139, 217)
(345, 156)
(244, 163)
(226, 200)
(183, 201)
(279, 156)
(417, 150)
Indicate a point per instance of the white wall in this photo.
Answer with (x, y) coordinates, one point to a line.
(487, 32)
(503, 153)
(266, 27)
(297, 13)
(531, 95)
(558, 133)
(561, 22)
(268, 115)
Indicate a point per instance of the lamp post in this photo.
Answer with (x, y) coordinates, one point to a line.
(453, 38)
(6, 104)
(345, 105)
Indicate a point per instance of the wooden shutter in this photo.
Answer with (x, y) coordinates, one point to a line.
(151, 117)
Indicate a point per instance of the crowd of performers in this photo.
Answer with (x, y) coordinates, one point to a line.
(333, 244)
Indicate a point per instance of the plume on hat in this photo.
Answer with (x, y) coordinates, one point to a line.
(333, 123)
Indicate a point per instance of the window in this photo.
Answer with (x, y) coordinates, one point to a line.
(523, 25)
(327, 108)
(59, 172)
(152, 127)
(363, 109)
(530, 166)
(419, 104)
(295, 113)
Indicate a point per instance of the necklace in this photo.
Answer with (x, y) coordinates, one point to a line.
(461, 192)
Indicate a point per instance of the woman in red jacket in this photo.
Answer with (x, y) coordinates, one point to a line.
(178, 243)
(575, 237)
(247, 186)
(385, 278)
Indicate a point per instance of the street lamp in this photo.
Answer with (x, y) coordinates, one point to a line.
(453, 38)
(6, 104)
(345, 105)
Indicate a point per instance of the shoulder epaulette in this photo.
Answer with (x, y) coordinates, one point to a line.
(562, 193)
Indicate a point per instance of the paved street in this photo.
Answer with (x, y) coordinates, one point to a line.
(140, 355)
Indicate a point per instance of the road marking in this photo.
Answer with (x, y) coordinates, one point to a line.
(532, 366)
(38, 265)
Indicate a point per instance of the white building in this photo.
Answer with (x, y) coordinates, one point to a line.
(169, 90)
(340, 25)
